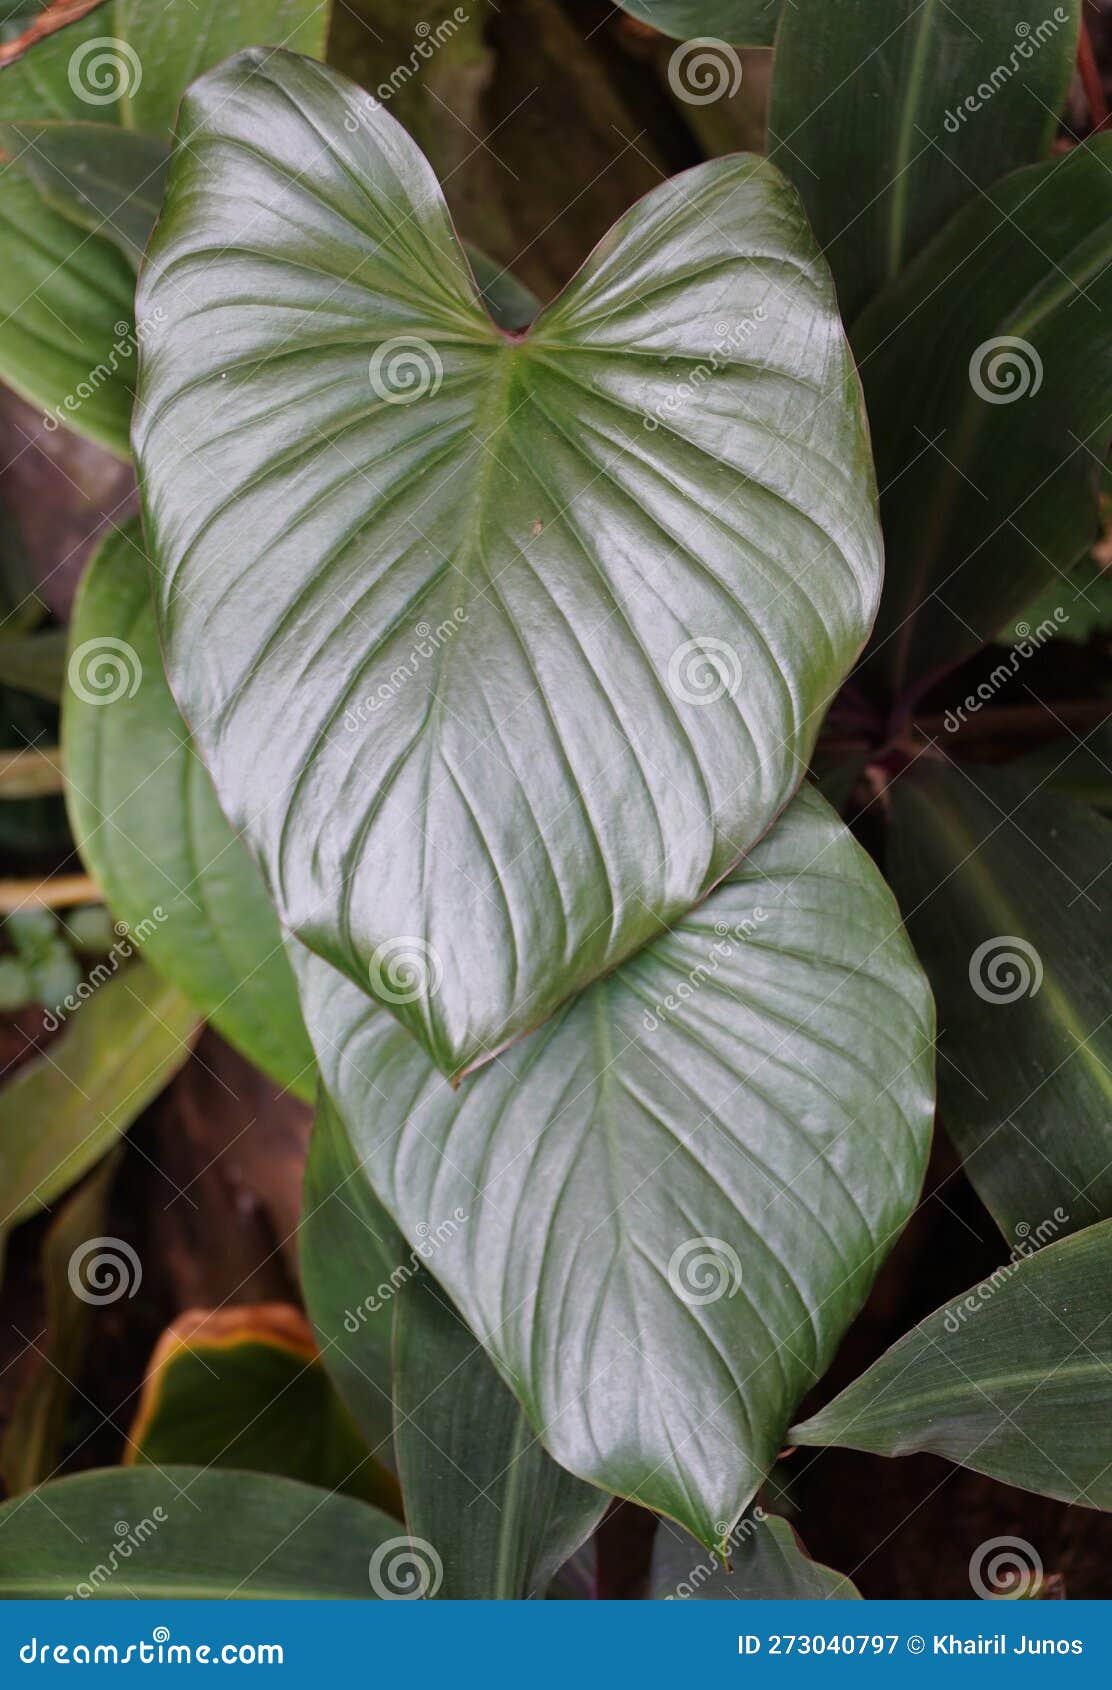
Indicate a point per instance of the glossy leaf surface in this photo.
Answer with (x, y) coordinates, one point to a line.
(478, 1484)
(148, 825)
(1002, 330)
(870, 118)
(1013, 1379)
(667, 1205)
(500, 650)
(1007, 890)
(197, 1533)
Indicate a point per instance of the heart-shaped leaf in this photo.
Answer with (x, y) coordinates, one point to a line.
(888, 123)
(660, 1212)
(501, 649)
(1005, 886)
(191, 1532)
(477, 1482)
(1014, 1378)
(1002, 330)
(147, 823)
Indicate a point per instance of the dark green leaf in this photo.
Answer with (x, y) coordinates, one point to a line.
(148, 825)
(767, 1564)
(478, 1485)
(109, 181)
(1006, 889)
(243, 1387)
(190, 1532)
(660, 1212)
(1014, 1379)
(523, 640)
(351, 1257)
(870, 118)
(1080, 766)
(67, 338)
(62, 1110)
(1002, 332)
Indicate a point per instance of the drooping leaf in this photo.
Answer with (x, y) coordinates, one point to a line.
(62, 1110)
(1014, 1379)
(523, 640)
(889, 121)
(478, 1484)
(352, 1260)
(744, 23)
(1085, 598)
(768, 1563)
(676, 1194)
(1002, 331)
(148, 825)
(244, 1387)
(189, 1532)
(35, 1434)
(1005, 887)
(67, 337)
